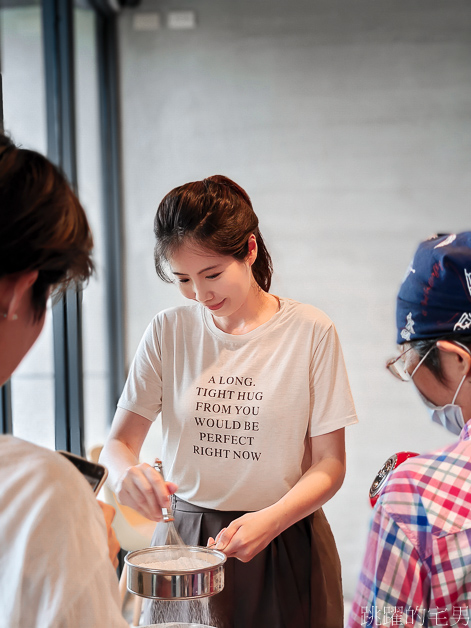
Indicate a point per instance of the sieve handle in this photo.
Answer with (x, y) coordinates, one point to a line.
(167, 513)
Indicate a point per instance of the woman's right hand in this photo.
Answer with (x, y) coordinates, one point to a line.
(142, 487)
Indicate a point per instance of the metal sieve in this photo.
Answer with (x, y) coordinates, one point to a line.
(175, 584)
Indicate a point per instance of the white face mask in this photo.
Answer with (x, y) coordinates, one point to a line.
(450, 416)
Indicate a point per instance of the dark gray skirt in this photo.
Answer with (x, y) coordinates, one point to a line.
(295, 582)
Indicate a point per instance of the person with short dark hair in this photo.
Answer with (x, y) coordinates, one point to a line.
(55, 567)
(43, 227)
(417, 566)
(254, 398)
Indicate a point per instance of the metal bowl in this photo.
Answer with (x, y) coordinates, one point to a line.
(165, 584)
(177, 624)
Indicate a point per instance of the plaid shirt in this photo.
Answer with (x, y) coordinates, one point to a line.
(417, 567)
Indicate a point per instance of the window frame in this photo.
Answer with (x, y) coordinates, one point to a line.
(58, 50)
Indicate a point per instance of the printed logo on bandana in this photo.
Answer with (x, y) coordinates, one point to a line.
(464, 322)
(451, 238)
(410, 269)
(409, 328)
(468, 279)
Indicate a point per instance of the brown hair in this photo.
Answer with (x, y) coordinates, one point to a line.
(216, 214)
(43, 227)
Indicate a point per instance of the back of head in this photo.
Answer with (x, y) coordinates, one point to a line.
(434, 301)
(215, 214)
(43, 227)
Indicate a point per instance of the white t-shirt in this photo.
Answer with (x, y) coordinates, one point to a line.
(55, 570)
(237, 410)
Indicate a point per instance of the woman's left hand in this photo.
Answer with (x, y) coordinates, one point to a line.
(248, 535)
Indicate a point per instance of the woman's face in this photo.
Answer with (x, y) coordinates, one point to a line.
(219, 282)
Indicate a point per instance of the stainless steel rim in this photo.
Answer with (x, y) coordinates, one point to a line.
(165, 584)
(177, 624)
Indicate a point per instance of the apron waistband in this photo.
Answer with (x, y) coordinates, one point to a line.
(183, 506)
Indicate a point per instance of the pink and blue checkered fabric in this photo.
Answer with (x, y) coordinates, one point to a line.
(417, 566)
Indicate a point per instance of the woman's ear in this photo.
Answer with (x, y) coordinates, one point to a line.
(253, 249)
(463, 355)
(15, 289)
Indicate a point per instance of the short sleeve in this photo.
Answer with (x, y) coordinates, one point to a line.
(394, 585)
(332, 404)
(142, 392)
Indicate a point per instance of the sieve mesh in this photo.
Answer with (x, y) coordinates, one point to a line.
(173, 558)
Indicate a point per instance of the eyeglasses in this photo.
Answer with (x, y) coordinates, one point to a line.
(397, 366)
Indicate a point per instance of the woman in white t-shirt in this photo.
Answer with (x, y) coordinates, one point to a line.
(253, 396)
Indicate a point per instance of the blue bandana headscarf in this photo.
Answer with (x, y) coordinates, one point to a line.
(435, 297)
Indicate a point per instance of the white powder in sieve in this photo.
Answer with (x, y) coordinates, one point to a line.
(177, 564)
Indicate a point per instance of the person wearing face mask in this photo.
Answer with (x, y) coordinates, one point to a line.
(417, 566)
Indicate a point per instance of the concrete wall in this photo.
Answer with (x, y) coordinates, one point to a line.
(349, 124)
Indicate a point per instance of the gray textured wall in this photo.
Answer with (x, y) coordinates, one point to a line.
(349, 125)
